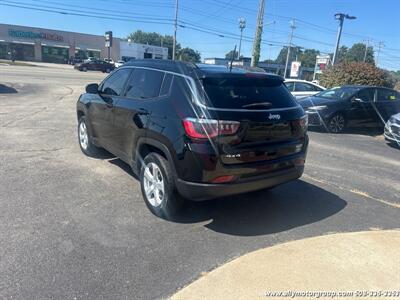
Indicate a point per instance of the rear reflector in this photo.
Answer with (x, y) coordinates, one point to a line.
(223, 179)
(207, 128)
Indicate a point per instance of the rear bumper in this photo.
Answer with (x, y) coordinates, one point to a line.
(203, 191)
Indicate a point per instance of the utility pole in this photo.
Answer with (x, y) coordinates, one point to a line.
(242, 25)
(293, 27)
(257, 39)
(366, 49)
(340, 17)
(380, 45)
(175, 29)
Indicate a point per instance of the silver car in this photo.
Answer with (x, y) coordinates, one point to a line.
(392, 129)
(302, 88)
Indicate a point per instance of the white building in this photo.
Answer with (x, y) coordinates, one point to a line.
(130, 50)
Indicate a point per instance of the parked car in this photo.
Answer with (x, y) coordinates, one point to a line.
(73, 60)
(392, 129)
(194, 131)
(302, 88)
(109, 60)
(95, 65)
(90, 58)
(119, 63)
(351, 105)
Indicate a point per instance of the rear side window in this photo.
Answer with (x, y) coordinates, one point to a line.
(290, 86)
(246, 93)
(366, 95)
(114, 84)
(305, 87)
(144, 84)
(166, 85)
(387, 95)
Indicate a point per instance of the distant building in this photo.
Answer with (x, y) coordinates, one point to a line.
(56, 46)
(216, 61)
(130, 51)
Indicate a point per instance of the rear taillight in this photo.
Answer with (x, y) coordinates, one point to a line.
(207, 128)
(301, 123)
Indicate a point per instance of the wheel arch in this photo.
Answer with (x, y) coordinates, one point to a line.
(146, 146)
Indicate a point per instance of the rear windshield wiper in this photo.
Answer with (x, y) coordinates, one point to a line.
(258, 105)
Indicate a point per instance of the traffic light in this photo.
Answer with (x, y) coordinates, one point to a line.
(109, 38)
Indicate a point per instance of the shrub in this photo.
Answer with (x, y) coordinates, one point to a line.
(397, 86)
(356, 73)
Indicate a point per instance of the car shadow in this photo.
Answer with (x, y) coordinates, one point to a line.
(124, 166)
(288, 206)
(4, 89)
(263, 212)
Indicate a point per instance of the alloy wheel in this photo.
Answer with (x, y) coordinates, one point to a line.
(153, 182)
(336, 123)
(83, 136)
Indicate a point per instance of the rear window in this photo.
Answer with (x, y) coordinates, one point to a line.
(246, 93)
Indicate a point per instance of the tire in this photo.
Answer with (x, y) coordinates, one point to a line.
(85, 139)
(160, 195)
(84, 69)
(337, 123)
(108, 70)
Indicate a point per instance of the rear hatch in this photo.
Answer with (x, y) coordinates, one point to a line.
(261, 120)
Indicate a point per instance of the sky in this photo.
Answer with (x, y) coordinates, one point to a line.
(211, 26)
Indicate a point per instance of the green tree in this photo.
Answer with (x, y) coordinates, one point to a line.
(308, 58)
(342, 54)
(357, 52)
(269, 61)
(359, 73)
(396, 75)
(230, 53)
(294, 51)
(155, 39)
(188, 54)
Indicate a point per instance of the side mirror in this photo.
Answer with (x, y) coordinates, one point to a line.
(92, 88)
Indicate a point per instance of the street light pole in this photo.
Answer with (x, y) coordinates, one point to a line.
(340, 17)
(175, 29)
(242, 25)
(293, 27)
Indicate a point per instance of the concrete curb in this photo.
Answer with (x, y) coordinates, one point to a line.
(343, 262)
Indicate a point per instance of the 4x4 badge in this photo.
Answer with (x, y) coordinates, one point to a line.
(274, 117)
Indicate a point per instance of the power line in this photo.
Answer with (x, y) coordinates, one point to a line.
(63, 11)
(70, 10)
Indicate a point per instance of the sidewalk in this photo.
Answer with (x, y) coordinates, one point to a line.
(34, 64)
(348, 262)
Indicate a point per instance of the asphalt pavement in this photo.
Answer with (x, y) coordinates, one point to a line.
(73, 227)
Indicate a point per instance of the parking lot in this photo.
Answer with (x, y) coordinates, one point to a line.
(74, 227)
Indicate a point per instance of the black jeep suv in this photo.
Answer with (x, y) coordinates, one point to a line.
(195, 131)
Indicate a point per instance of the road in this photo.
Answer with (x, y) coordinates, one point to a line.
(73, 227)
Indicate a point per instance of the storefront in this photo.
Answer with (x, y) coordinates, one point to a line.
(17, 50)
(86, 53)
(54, 54)
(56, 46)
